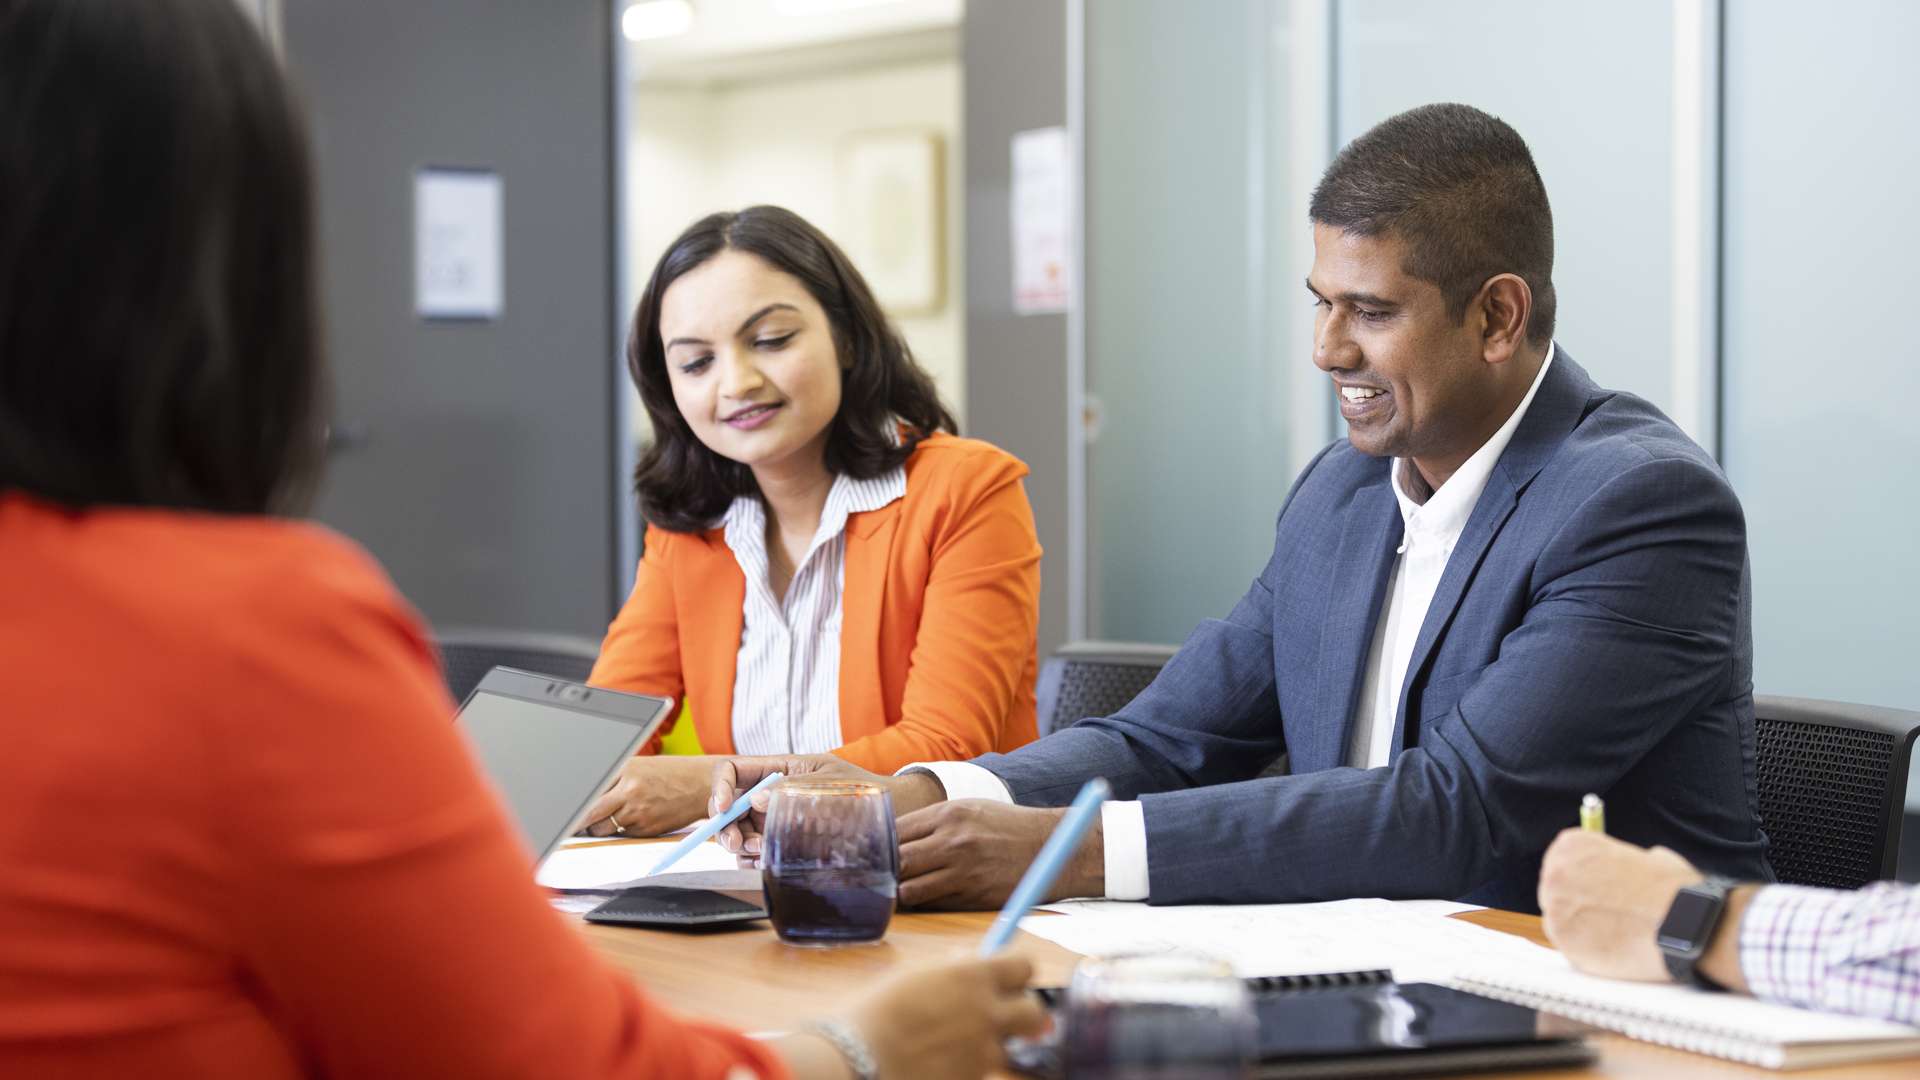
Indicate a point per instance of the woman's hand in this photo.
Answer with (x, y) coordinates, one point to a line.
(653, 794)
(938, 1023)
(732, 776)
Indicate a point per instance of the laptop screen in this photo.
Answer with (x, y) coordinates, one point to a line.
(551, 747)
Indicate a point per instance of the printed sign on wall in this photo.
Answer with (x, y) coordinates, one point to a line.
(1042, 214)
(457, 244)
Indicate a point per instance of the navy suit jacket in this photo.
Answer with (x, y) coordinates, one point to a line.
(1591, 632)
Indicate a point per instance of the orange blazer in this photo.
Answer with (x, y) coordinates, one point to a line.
(242, 837)
(939, 617)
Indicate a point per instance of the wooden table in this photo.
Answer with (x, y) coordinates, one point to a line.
(748, 979)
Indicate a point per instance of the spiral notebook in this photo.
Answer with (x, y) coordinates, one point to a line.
(1723, 1025)
(1055, 997)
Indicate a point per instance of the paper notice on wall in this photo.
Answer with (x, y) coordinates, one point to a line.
(1042, 214)
(457, 244)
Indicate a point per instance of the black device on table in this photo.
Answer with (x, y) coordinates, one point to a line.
(1362, 1024)
(666, 906)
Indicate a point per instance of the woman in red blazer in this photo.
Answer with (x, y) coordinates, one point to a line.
(238, 836)
(827, 567)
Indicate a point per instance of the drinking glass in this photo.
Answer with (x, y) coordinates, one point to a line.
(1158, 1017)
(830, 862)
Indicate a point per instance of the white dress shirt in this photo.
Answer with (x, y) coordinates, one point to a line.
(1430, 532)
(786, 678)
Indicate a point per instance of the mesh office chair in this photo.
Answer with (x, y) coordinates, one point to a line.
(1833, 788)
(469, 654)
(1094, 678)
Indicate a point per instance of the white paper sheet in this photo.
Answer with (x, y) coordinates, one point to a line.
(1414, 941)
(580, 841)
(1436, 907)
(579, 903)
(606, 867)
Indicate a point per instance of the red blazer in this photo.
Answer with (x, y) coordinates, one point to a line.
(938, 620)
(241, 837)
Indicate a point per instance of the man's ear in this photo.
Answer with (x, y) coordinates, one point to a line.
(1506, 304)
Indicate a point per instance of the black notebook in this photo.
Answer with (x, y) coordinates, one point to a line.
(1362, 1024)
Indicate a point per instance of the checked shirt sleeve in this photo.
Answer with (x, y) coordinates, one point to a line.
(1846, 952)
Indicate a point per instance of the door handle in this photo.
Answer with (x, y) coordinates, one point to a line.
(346, 437)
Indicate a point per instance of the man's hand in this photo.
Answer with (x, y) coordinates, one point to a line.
(968, 854)
(735, 775)
(653, 794)
(1603, 901)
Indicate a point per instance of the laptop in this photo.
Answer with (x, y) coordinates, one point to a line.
(551, 746)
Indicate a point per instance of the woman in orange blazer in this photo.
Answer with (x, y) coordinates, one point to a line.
(827, 567)
(238, 835)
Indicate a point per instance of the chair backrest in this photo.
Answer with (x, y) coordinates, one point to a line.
(1833, 785)
(1094, 678)
(467, 656)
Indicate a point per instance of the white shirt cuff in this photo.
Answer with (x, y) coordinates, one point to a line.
(964, 780)
(1123, 826)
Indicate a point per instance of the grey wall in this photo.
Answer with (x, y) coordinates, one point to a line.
(476, 458)
(1603, 145)
(1013, 55)
(1819, 398)
(1190, 219)
(1817, 405)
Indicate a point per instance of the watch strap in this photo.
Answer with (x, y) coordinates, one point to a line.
(1683, 965)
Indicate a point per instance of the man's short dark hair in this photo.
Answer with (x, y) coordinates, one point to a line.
(1459, 188)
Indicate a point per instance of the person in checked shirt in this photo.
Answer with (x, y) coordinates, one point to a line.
(1858, 952)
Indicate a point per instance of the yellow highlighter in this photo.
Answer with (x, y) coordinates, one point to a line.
(1593, 814)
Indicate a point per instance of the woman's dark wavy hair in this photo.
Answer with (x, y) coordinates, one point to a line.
(158, 327)
(682, 485)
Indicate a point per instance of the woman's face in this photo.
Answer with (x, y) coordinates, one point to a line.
(751, 360)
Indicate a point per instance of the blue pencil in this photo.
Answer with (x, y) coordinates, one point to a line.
(713, 826)
(1046, 865)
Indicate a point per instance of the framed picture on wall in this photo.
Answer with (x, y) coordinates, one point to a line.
(893, 217)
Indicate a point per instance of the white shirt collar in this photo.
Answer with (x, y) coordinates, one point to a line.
(850, 496)
(1445, 513)
(746, 518)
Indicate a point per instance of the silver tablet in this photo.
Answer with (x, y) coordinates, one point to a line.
(551, 746)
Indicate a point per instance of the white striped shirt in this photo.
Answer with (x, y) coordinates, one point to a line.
(786, 679)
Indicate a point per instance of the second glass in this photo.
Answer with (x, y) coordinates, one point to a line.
(1168, 1016)
(830, 862)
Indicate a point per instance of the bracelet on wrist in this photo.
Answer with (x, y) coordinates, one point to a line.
(852, 1048)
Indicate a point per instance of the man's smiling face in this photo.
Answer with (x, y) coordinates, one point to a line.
(1411, 381)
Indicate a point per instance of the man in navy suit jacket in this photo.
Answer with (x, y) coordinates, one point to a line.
(1507, 588)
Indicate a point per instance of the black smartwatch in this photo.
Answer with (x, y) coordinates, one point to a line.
(1688, 928)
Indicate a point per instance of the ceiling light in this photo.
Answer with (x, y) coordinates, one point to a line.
(650, 19)
(821, 7)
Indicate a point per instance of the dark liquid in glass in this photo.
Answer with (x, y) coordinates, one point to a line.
(829, 906)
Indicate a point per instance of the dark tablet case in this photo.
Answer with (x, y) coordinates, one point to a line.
(660, 906)
(1362, 1024)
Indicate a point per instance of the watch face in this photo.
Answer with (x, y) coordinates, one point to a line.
(1687, 920)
